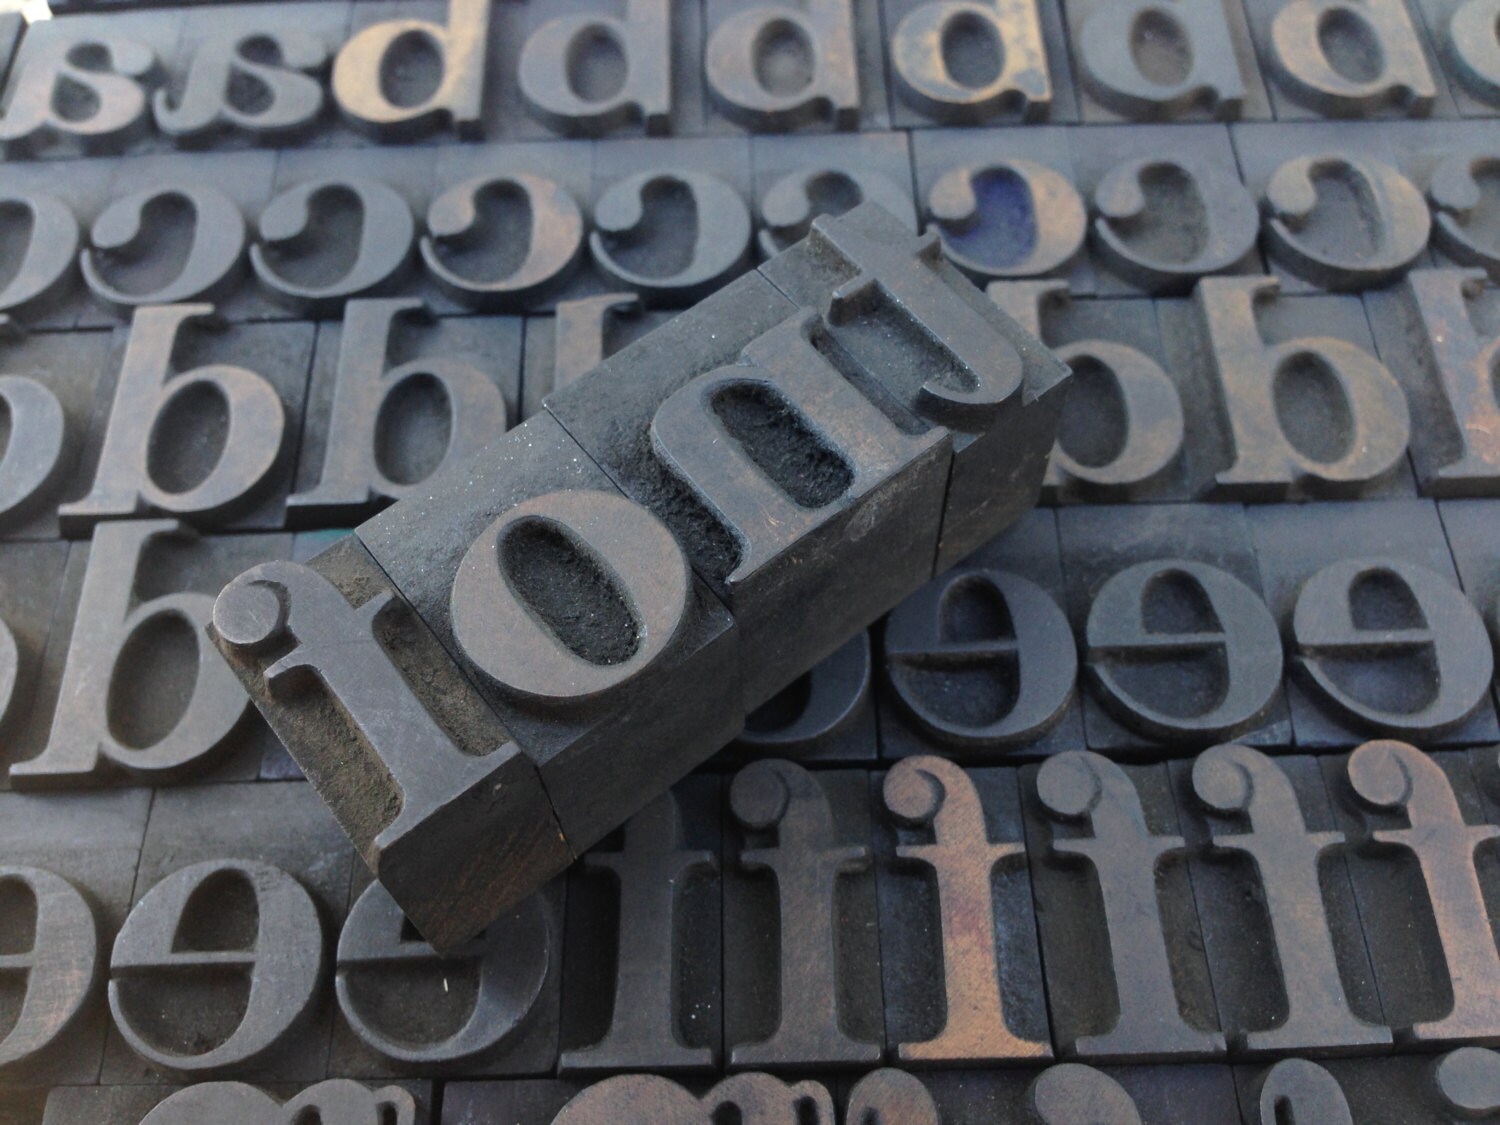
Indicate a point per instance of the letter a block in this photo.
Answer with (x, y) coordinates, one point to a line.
(495, 673)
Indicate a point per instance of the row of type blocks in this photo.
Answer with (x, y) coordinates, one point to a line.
(1271, 625)
(1112, 210)
(1234, 906)
(1237, 392)
(1457, 1086)
(407, 72)
(1461, 1085)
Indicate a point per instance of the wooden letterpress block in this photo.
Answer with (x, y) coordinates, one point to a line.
(1340, 578)
(66, 867)
(1280, 925)
(240, 891)
(980, 664)
(1122, 948)
(1177, 645)
(962, 972)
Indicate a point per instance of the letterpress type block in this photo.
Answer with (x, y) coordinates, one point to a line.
(250, 74)
(1122, 947)
(1123, 431)
(1370, 59)
(85, 1105)
(1146, 61)
(1298, 406)
(396, 1103)
(795, 64)
(962, 973)
(1417, 826)
(1067, 1093)
(66, 868)
(898, 309)
(1437, 333)
(743, 426)
(202, 425)
(239, 893)
(413, 70)
(176, 229)
(1451, 161)
(536, 528)
(671, 220)
(746, 1096)
(801, 943)
(1167, 207)
(332, 230)
(978, 63)
(642, 953)
(488, 1006)
(1463, 35)
(130, 690)
(505, 228)
(1463, 1085)
(1474, 539)
(58, 202)
(799, 178)
(1005, 203)
(398, 401)
(775, 442)
(1178, 648)
(1280, 926)
(1380, 639)
(1339, 212)
(403, 715)
(585, 68)
(49, 386)
(980, 664)
(31, 578)
(82, 83)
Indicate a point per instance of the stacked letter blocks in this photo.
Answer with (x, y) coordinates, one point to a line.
(1115, 816)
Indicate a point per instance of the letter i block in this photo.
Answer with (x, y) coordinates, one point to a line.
(944, 356)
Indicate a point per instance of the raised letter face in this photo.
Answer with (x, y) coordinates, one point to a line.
(271, 935)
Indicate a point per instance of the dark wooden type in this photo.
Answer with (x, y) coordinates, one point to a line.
(1125, 971)
(202, 424)
(1417, 828)
(1379, 637)
(1281, 930)
(643, 948)
(1177, 646)
(129, 690)
(831, 439)
(1330, 917)
(801, 930)
(488, 1007)
(1462, 1085)
(333, 1100)
(962, 972)
(980, 664)
(220, 904)
(69, 864)
(1260, 435)
(1436, 333)
(1215, 76)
